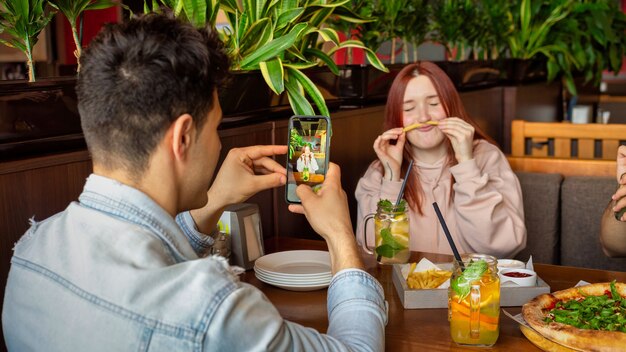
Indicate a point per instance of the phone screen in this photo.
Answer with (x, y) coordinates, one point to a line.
(307, 160)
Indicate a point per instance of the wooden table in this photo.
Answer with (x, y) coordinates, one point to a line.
(412, 329)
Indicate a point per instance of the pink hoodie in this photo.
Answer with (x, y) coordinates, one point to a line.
(484, 215)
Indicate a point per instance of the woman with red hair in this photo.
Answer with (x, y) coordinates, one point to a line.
(455, 165)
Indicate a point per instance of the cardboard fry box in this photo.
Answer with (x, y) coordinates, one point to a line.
(510, 296)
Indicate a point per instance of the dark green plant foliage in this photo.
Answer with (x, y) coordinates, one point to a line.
(23, 20)
(279, 38)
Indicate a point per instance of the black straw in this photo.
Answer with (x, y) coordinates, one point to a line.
(406, 177)
(448, 236)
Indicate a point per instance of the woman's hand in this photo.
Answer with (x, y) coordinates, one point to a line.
(461, 135)
(391, 155)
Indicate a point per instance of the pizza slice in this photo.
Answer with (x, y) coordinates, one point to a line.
(590, 318)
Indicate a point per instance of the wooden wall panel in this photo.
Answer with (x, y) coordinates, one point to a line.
(485, 106)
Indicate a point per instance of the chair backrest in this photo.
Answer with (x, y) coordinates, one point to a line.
(566, 140)
(565, 148)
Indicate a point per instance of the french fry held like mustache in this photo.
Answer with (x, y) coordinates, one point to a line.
(418, 125)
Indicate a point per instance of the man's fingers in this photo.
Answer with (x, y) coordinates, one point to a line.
(304, 192)
(333, 175)
(296, 208)
(270, 165)
(273, 180)
(259, 151)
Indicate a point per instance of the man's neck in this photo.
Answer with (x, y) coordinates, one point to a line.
(157, 188)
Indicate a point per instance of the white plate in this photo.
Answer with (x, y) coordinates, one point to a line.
(293, 287)
(294, 278)
(298, 282)
(302, 263)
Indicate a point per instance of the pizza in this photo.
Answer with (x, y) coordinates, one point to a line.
(588, 318)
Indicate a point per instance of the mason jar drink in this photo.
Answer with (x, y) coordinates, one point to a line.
(391, 230)
(305, 174)
(474, 301)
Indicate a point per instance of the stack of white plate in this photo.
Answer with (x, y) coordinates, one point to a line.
(295, 270)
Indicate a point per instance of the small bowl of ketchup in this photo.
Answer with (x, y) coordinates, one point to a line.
(521, 277)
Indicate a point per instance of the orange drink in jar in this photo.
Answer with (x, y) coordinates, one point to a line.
(474, 301)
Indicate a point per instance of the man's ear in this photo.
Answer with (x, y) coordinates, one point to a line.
(183, 134)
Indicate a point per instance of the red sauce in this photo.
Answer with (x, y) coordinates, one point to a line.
(516, 274)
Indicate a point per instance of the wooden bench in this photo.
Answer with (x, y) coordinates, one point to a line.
(566, 140)
(565, 148)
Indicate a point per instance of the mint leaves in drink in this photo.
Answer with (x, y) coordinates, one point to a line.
(473, 271)
(388, 206)
(389, 246)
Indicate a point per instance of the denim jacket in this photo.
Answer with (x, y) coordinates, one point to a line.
(115, 272)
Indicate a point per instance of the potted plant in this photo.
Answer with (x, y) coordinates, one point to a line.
(279, 39)
(533, 42)
(471, 33)
(73, 10)
(596, 38)
(23, 20)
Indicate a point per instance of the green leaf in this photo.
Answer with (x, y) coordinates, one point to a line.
(298, 102)
(276, 46)
(288, 16)
(310, 88)
(100, 4)
(273, 74)
(324, 58)
(257, 35)
(473, 271)
(329, 34)
(195, 11)
(614, 294)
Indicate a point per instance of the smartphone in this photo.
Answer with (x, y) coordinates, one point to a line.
(307, 159)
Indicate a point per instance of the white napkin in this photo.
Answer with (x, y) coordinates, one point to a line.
(423, 265)
(529, 264)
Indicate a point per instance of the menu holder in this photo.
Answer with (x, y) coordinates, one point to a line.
(510, 296)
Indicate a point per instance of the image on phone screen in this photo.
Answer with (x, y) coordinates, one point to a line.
(307, 156)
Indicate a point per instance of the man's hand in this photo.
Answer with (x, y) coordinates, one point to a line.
(327, 212)
(245, 172)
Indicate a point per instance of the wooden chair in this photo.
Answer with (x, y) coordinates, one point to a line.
(565, 148)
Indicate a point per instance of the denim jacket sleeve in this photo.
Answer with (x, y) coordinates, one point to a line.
(200, 242)
(357, 312)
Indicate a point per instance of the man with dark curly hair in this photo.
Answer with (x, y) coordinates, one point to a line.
(125, 267)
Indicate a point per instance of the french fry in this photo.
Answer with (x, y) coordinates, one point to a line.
(427, 279)
(418, 125)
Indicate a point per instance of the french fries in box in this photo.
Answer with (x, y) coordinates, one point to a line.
(425, 275)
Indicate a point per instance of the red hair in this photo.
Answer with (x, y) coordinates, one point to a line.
(452, 105)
